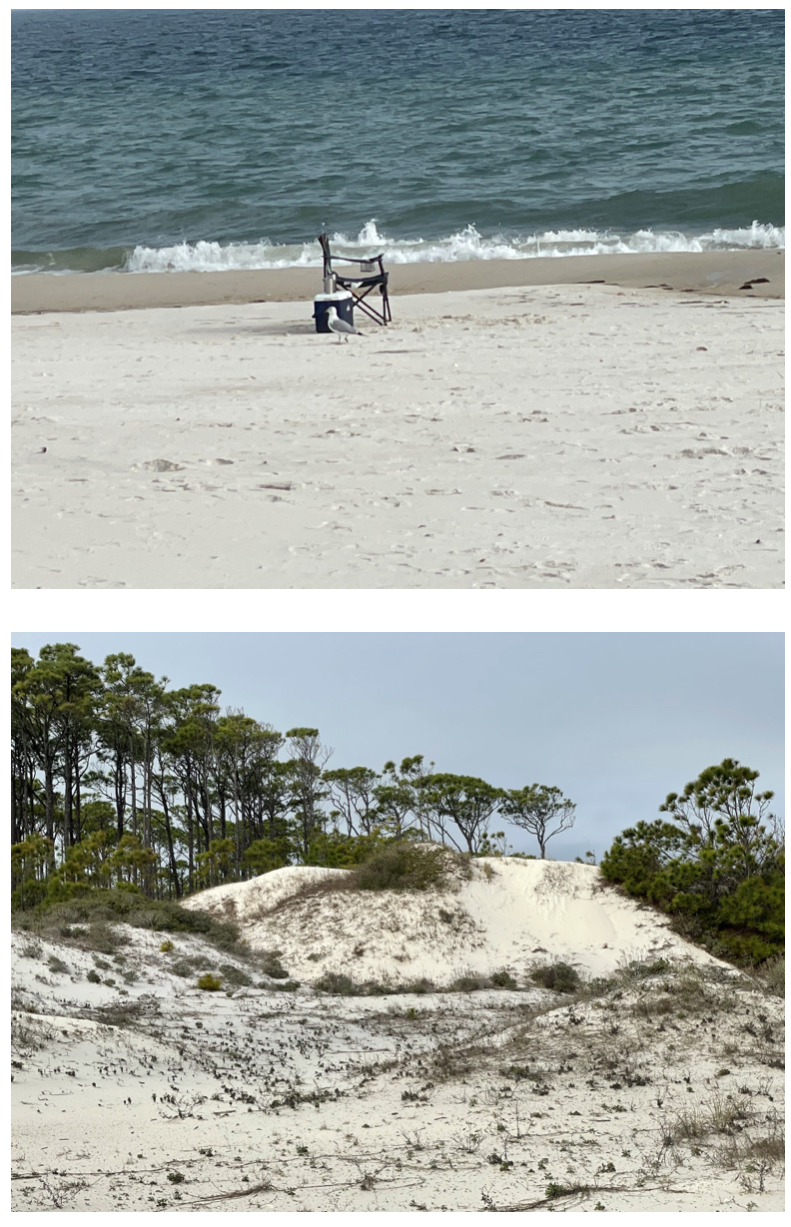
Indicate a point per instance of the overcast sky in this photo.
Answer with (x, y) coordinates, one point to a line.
(616, 721)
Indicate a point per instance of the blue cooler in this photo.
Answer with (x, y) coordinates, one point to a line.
(343, 303)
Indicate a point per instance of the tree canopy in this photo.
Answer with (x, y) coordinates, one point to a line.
(718, 865)
(117, 778)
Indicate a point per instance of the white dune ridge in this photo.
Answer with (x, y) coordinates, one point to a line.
(512, 913)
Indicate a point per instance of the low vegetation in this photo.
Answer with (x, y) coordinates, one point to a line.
(209, 983)
(90, 921)
(559, 977)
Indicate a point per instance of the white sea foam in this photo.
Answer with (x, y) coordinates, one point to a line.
(466, 244)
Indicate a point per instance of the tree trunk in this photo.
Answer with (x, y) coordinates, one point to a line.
(68, 820)
(169, 832)
(78, 806)
(120, 791)
(134, 788)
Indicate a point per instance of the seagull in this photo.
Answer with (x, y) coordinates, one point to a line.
(340, 326)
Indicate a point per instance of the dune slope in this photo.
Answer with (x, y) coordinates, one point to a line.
(656, 1085)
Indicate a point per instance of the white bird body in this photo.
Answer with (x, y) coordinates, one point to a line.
(340, 327)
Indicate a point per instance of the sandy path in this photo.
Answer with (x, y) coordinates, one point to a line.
(556, 436)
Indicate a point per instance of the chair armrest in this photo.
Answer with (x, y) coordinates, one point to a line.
(360, 259)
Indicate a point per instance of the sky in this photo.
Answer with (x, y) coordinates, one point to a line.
(616, 721)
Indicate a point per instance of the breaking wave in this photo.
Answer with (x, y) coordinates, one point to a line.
(467, 244)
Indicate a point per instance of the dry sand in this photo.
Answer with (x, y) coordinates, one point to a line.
(661, 1090)
(518, 436)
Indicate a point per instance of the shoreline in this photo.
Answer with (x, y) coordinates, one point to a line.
(740, 274)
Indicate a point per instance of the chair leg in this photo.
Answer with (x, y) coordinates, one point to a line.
(377, 316)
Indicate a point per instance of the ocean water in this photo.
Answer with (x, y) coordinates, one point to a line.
(215, 139)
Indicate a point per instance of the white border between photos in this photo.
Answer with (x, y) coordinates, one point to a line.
(395, 610)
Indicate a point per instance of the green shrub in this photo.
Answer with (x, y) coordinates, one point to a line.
(338, 984)
(264, 855)
(209, 983)
(234, 975)
(270, 965)
(334, 850)
(554, 1190)
(405, 865)
(166, 947)
(559, 977)
(638, 970)
(423, 985)
(718, 868)
(184, 967)
(94, 977)
(503, 979)
(470, 983)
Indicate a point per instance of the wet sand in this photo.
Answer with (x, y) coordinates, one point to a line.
(743, 273)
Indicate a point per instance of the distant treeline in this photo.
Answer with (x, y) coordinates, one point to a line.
(120, 781)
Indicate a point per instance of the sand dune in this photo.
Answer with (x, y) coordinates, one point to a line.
(656, 1086)
(523, 437)
(511, 914)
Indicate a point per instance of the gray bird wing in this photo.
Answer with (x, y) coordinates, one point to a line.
(339, 325)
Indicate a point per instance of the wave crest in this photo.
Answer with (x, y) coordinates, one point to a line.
(466, 244)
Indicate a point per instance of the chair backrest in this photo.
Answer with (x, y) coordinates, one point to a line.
(325, 248)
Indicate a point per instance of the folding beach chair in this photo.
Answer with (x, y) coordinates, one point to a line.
(361, 284)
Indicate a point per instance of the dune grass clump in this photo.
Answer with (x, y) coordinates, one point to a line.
(771, 975)
(559, 977)
(270, 965)
(209, 983)
(235, 975)
(722, 1114)
(185, 967)
(472, 981)
(652, 1006)
(29, 1035)
(503, 979)
(767, 1148)
(640, 969)
(338, 984)
(422, 985)
(469, 982)
(555, 1190)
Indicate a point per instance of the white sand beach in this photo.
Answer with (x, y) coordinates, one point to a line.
(657, 1086)
(515, 435)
